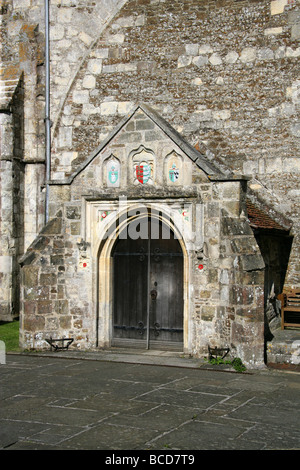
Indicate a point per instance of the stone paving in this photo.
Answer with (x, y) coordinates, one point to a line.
(117, 402)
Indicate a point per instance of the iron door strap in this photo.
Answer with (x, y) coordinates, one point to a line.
(140, 328)
(158, 329)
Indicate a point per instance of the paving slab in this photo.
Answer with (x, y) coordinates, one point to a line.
(124, 402)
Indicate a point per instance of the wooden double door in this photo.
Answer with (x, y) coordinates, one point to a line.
(148, 291)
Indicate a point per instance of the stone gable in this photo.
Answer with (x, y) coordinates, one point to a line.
(146, 171)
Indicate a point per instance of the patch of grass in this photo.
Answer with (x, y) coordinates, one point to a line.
(9, 333)
(236, 363)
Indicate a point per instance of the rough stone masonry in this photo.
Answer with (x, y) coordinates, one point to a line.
(210, 87)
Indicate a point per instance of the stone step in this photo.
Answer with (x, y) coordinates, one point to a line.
(284, 348)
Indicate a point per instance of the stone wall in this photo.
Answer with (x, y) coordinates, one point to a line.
(66, 274)
(222, 73)
(52, 291)
(22, 34)
(11, 204)
(21, 162)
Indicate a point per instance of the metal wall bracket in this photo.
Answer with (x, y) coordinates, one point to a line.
(214, 353)
(56, 347)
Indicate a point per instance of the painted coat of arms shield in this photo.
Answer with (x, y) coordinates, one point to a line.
(143, 172)
(113, 175)
(174, 173)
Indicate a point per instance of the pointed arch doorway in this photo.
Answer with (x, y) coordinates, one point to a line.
(148, 288)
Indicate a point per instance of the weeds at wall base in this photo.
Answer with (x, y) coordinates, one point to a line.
(236, 363)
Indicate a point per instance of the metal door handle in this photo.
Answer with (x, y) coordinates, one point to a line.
(156, 329)
(153, 294)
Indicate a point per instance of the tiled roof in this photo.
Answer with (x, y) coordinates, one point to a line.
(260, 219)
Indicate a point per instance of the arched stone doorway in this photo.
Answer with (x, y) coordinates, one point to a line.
(137, 255)
(148, 287)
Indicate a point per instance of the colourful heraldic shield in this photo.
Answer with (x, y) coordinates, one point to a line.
(113, 175)
(174, 173)
(143, 173)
